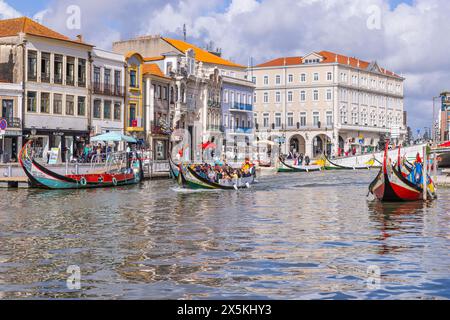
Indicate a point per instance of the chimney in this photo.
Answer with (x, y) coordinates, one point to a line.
(80, 37)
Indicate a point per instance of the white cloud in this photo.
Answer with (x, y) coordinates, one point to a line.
(8, 12)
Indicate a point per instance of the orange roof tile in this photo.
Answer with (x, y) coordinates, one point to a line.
(158, 58)
(12, 27)
(329, 57)
(153, 69)
(200, 54)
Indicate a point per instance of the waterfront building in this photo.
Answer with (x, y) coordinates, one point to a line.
(197, 75)
(52, 70)
(108, 92)
(159, 102)
(327, 102)
(444, 117)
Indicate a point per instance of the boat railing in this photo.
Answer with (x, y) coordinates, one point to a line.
(108, 161)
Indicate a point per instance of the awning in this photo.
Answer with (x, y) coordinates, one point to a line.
(113, 136)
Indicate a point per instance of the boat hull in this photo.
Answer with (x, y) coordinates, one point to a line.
(284, 167)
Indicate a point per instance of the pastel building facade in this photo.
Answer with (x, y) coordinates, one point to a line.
(326, 102)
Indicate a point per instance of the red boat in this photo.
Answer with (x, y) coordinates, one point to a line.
(392, 185)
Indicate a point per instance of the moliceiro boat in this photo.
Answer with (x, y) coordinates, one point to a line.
(118, 169)
(397, 183)
(193, 176)
(328, 164)
(283, 166)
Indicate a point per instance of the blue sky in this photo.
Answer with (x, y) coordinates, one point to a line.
(411, 31)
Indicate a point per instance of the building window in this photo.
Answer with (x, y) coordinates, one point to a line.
(364, 117)
(290, 119)
(329, 118)
(45, 67)
(266, 120)
(107, 82)
(97, 79)
(117, 111)
(32, 66)
(164, 93)
(225, 96)
(303, 77)
(81, 108)
(266, 97)
(81, 72)
(31, 101)
(133, 79)
(107, 109)
(57, 103)
(117, 82)
(329, 76)
(343, 115)
(316, 77)
(70, 105)
(266, 80)
(303, 119)
(278, 96)
(278, 120)
(290, 78)
(329, 95)
(254, 80)
(158, 92)
(58, 68)
(316, 119)
(354, 116)
(302, 95)
(254, 97)
(45, 102)
(278, 79)
(290, 96)
(70, 71)
(97, 112)
(316, 95)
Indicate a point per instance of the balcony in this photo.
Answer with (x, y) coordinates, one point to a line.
(159, 129)
(213, 104)
(107, 89)
(215, 128)
(241, 130)
(13, 123)
(241, 107)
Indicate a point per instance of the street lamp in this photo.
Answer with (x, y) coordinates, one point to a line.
(434, 120)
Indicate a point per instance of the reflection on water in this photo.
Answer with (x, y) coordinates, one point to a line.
(292, 236)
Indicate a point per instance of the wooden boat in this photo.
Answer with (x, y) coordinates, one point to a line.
(174, 168)
(391, 185)
(190, 179)
(284, 167)
(118, 170)
(330, 165)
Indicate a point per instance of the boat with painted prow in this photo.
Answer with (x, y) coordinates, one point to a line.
(189, 178)
(119, 169)
(332, 165)
(391, 185)
(283, 166)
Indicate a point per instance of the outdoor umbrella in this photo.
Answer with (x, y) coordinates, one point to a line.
(113, 136)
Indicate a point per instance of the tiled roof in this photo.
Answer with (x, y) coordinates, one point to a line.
(200, 54)
(12, 27)
(153, 69)
(158, 58)
(328, 57)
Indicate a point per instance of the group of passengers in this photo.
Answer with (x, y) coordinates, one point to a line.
(221, 172)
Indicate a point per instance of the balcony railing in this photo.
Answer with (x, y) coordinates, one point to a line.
(241, 107)
(45, 77)
(213, 104)
(159, 129)
(14, 123)
(216, 128)
(57, 79)
(70, 81)
(242, 130)
(108, 89)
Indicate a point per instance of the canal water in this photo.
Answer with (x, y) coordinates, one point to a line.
(292, 236)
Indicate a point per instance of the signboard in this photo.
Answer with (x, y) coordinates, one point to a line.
(54, 154)
(3, 127)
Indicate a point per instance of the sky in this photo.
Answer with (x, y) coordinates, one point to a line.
(409, 37)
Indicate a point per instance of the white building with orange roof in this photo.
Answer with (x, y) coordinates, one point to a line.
(53, 72)
(327, 102)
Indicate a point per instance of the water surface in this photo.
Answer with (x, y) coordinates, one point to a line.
(292, 236)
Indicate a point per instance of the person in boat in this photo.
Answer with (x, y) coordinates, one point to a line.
(300, 159)
(418, 158)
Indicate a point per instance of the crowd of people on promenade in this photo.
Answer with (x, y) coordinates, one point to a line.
(221, 172)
